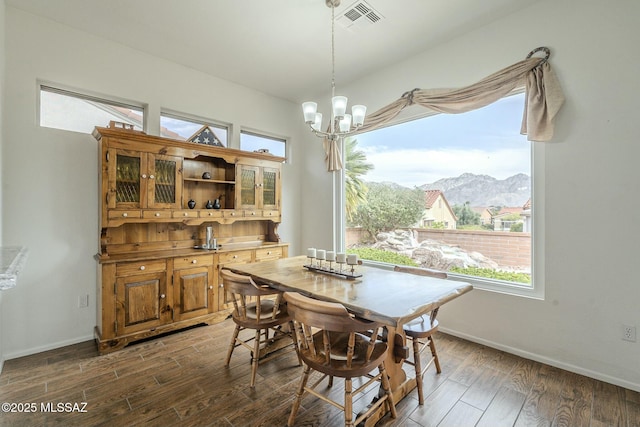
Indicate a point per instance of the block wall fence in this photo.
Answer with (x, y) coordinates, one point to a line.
(508, 249)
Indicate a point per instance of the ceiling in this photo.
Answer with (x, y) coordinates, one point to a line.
(279, 47)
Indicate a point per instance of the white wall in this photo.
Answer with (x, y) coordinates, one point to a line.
(591, 276)
(2, 84)
(51, 185)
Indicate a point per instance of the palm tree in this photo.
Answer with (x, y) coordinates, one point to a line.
(355, 166)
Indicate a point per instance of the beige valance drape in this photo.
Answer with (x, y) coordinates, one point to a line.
(543, 99)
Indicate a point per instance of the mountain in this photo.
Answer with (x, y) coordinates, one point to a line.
(484, 190)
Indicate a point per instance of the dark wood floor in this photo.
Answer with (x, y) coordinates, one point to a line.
(180, 380)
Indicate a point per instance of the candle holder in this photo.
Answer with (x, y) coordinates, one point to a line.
(331, 257)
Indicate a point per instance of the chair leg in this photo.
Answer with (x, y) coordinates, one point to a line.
(434, 354)
(386, 386)
(418, 366)
(292, 331)
(255, 355)
(348, 403)
(232, 346)
(299, 393)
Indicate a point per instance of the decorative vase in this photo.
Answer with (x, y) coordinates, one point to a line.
(191, 203)
(209, 204)
(216, 204)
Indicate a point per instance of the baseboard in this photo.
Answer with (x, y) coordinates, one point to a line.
(48, 347)
(543, 359)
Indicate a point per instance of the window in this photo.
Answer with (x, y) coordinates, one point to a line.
(250, 141)
(73, 111)
(479, 167)
(176, 126)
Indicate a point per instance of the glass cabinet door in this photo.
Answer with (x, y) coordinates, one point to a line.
(249, 187)
(165, 176)
(270, 196)
(125, 176)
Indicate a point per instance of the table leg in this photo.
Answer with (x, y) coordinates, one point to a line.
(401, 385)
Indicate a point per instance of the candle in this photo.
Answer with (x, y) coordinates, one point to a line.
(320, 254)
(352, 259)
(341, 258)
(311, 252)
(331, 256)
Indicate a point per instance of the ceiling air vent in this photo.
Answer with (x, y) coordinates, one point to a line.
(358, 14)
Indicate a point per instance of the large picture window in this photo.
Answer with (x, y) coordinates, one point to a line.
(451, 192)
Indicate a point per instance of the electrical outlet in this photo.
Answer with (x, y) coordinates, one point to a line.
(83, 301)
(629, 333)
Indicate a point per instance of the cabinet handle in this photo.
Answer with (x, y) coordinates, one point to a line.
(157, 213)
(144, 175)
(253, 213)
(195, 261)
(269, 253)
(125, 214)
(235, 256)
(162, 296)
(151, 176)
(233, 213)
(211, 287)
(186, 214)
(210, 213)
(142, 267)
(222, 285)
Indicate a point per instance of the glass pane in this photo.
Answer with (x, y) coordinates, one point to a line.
(127, 179)
(251, 142)
(165, 183)
(247, 187)
(75, 113)
(182, 129)
(269, 187)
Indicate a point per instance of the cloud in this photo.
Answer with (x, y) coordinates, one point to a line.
(414, 167)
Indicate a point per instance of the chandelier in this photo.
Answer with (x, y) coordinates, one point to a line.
(339, 118)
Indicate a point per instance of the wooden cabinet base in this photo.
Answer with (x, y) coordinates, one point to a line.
(117, 343)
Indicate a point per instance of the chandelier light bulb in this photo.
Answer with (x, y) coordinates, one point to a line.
(309, 110)
(345, 123)
(358, 112)
(339, 104)
(317, 123)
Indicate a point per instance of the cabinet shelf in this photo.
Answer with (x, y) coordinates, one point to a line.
(212, 181)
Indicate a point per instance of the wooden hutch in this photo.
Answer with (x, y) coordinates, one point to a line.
(152, 276)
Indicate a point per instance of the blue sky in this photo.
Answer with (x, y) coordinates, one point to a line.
(485, 141)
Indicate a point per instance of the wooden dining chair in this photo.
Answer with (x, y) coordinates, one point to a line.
(421, 330)
(259, 308)
(337, 344)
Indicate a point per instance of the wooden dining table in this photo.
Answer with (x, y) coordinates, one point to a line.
(378, 294)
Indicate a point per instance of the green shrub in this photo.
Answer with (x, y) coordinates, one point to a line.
(382, 256)
(493, 274)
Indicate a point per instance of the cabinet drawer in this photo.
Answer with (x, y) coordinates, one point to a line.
(270, 214)
(185, 214)
(208, 213)
(235, 257)
(268, 253)
(192, 261)
(118, 214)
(142, 267)
(232, 213)
(252, 214)
(156, 214)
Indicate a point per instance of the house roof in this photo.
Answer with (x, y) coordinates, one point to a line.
(431, 196)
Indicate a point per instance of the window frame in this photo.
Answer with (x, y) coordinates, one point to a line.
(86, 95)
(267, 135)
(535, 290)
(203, 121)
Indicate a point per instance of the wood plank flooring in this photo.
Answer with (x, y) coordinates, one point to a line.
(180, 380)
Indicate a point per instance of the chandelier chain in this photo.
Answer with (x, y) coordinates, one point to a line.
(333, 51)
